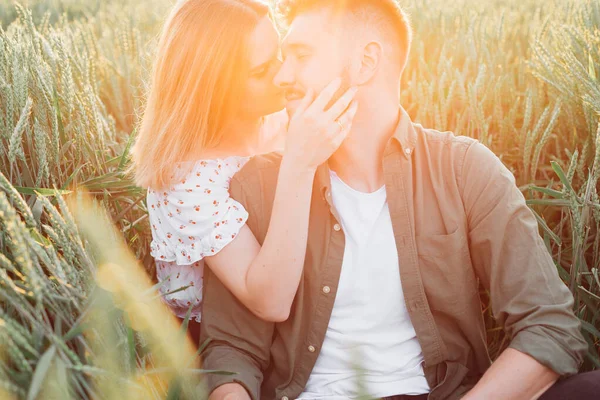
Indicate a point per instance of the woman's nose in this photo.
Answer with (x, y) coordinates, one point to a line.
(284, 76)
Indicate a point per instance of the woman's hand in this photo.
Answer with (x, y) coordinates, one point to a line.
(265, 278)
(314, 133)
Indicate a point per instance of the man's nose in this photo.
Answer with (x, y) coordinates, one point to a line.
(285, 76)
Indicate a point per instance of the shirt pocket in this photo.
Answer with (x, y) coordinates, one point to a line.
(445, 265)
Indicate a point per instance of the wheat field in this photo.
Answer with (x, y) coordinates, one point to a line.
(521, 76)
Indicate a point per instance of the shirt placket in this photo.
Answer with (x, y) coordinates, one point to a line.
(398, 181)
(326, 288)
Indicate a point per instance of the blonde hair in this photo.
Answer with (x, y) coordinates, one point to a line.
(195, 87)
(376, 13)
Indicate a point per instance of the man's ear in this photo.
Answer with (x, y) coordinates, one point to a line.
(372, 55)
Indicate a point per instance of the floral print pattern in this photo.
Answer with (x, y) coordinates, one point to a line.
(194, 219)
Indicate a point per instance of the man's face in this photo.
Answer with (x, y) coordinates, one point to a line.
(314, 53)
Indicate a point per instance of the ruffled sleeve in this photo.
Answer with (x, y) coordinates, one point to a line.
(196, 218)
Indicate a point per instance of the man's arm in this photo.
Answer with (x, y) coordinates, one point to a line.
(528, 298)
(240, 341)
(514, 375)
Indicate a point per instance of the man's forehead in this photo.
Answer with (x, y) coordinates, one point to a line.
(311, 27)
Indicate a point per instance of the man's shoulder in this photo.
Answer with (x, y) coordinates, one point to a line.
(254, 187)
(432, 136)
(470, 159)
(259, 166)
(451, 150)
(468, 146)
(257, 179)
(463, 155)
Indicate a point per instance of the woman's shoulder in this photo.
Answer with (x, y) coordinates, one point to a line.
(196, 217)
(219, 163)
(267, 162)
(209, 172)
(199, 183)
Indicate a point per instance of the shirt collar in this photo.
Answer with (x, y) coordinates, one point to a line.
(405, 135)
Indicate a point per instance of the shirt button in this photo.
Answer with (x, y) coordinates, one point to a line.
(311, 349)
(326, 289)
(414, 305)
(407, 151)
(337, 227)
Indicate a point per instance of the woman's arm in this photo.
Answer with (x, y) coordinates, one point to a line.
(266, 279)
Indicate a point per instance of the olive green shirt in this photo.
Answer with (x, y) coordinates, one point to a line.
(458, 220)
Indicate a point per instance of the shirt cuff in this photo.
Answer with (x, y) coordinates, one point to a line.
(247, 373)
(538, 343)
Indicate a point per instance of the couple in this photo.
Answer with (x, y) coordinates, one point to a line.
(354, 255)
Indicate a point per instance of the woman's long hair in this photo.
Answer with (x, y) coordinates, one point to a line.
(196, 84)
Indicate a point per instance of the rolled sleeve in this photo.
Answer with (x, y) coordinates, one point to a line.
(510, 258)
(225, 358)
(548, 349)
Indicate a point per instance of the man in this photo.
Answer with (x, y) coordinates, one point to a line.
(405, 221)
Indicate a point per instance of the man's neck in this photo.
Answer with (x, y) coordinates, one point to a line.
(359, 160)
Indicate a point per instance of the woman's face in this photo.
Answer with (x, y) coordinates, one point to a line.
(261, 96)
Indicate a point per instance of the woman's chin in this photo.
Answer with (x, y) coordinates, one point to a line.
(276, 107)
(291, 106)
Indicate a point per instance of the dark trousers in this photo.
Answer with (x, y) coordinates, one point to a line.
(584, 386)
(581, 386)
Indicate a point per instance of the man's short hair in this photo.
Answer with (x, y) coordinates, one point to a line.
(387, 15)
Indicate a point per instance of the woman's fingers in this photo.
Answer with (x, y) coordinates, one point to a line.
(306, 101)
(326, 95)
(341, 104)
(348, 116)
(342, 126)
(338, 138)
(315, 134)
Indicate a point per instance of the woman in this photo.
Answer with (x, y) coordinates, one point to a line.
(210, 91)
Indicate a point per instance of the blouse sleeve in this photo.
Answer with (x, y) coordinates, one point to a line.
(198, 218)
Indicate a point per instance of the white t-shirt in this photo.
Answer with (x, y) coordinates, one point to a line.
(370, 340)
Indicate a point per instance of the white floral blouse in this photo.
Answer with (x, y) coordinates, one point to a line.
(196, 218)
